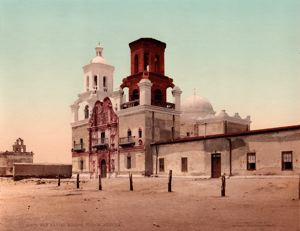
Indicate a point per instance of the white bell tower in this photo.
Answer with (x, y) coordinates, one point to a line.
(97, 84)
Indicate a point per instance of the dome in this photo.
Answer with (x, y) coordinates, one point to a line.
(196, 106)
(98, 59)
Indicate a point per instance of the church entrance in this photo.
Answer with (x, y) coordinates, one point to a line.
(215, 165)
(103, 168)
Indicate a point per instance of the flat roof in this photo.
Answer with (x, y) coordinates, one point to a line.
(247, 133)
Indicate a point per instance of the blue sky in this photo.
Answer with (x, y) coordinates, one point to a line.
(244, 56)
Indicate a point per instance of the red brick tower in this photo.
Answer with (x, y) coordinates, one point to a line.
(147, 59)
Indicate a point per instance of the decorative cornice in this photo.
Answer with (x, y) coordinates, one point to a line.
(143, 108)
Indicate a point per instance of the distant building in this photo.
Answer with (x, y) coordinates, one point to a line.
(17, 155)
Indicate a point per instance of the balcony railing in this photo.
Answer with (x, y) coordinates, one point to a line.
(164, 104)
(127, 141)
(100, 143)
(78, 148)
(129, 104)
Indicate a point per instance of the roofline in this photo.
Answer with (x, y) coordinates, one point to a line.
(147, 39)
(252, 132)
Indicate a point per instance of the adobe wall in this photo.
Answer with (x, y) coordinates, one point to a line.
(268, 148)
(22, 170)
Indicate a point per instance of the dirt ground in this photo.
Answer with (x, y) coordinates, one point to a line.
(195, 204)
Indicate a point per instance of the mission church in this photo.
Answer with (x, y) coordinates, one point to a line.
(136, 129)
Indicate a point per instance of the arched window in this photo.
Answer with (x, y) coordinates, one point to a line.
(86, 112)
(156, 63)
(136, 64)
(129, 133)
(104, 81)
(135, 94)
(157, 96)
(140, 133)
(95, 81)
(146, 61)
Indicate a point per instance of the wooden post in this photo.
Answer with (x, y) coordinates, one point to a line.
(130, 182)
(299, 188)
(223, 185)
(170, 181)
(100, 184)
(58, 183)
(77, 180)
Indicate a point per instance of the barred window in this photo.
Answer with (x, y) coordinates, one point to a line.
(287, 160)
(251, 161)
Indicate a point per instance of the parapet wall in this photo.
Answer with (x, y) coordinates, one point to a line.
(26, 170)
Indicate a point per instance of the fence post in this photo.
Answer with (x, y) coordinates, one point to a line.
(170, 181)
(299, 188)
(100, 183)
(130, 182)
(77, 181)
(58, 183)
(223, 185)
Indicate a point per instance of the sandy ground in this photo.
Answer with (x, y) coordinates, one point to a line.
(250, 204)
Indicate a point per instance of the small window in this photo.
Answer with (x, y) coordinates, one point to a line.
(129, 133)
(251, 161)
(95, 81)
(184, 164)
(287, 160)
(161, 164)
(128, 162)
(81, 165)
(86, 112)
(102, 140)
(187, 134)
(140, 133)
(81, 143)
(135, 94)
(104, 81)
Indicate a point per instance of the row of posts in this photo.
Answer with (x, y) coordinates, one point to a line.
(169, 183)
(223, 185)
(130, 182)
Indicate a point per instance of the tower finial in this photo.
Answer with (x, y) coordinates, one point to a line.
(98, 50)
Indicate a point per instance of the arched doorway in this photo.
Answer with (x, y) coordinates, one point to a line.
(103, 168)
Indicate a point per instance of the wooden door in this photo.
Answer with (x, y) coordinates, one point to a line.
(216, 165)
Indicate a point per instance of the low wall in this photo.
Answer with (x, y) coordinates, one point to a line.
(26, 170)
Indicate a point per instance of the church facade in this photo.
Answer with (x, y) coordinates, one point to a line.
(138, 129)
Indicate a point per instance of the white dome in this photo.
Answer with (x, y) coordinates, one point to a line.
(98, 59)
(196, 106)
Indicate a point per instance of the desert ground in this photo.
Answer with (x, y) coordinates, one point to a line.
(261, 203)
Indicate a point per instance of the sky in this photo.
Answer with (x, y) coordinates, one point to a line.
(243, 56)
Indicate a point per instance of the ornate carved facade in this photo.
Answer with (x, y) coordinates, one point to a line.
(103, 139)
